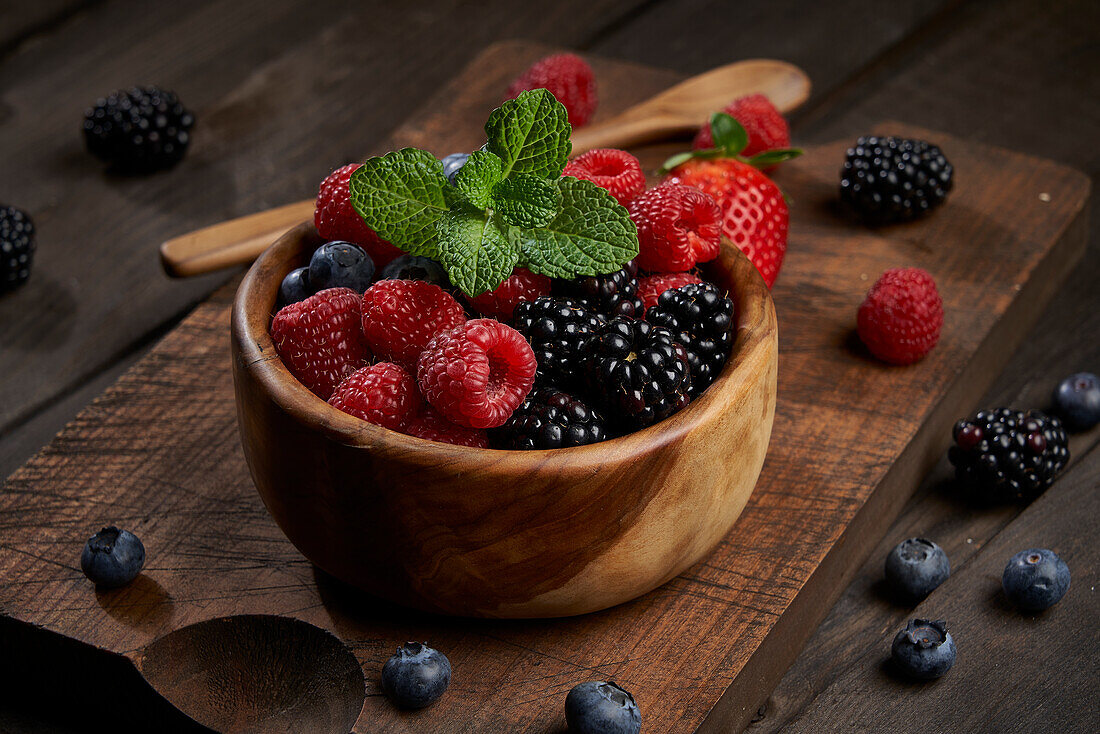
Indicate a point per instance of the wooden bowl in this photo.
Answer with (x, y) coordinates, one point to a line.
(489, 533)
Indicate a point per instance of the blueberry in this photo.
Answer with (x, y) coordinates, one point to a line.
(112, 557)
(340, 265)
(1035, 579)
(1077, 400)
(416, 675)
(915, 567)
(596, 707)
(924, 649)
(295, 286)
(452, 163)
(411, 267)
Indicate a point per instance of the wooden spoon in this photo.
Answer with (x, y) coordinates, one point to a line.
(677, 111)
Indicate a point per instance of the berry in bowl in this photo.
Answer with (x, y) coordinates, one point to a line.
(508, 443)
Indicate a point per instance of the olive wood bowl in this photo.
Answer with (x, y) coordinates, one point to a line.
(490, 533)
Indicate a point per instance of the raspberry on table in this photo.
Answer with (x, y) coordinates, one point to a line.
(550, 419)
(139, 130)
(650, 287)
(320, 339)
(609, 168)
(336, 219)
(478, 373)
(637, 373)
(430, 425)
(557, 329)
(500, 303)
(401, 316)
(887, 179)
(901, 318)
(678, 227)
(568, 77)
(16, 247)
(701, 319)
(383, 394)
(762, 121)
(614, 294)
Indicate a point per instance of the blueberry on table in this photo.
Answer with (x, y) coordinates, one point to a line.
(295, 287)
(924, 649)
(452, 163)
(1077, 400)
(340, 265)
(1035, 579)
(112, 557)
(596, 707)
(915, 567)
(416, 676)
(412, 267)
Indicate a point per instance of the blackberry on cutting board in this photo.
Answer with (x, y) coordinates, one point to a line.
(16, 247)
(701, 319)
(887, 179)
(614, 294)
(636, 372)
(557, 329)
(140, 130)
(1009, 454)
(550, 419)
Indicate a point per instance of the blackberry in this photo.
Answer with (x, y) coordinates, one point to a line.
(637, 372)
(140, 130)
(16, 247)
(557, 329)
(1010, 454)
(550, 419)
(894, 179)
(614, 294)
(701, 319)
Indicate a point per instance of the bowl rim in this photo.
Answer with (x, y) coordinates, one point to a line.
(254, 306)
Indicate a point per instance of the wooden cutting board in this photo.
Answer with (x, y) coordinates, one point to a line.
(159, 454)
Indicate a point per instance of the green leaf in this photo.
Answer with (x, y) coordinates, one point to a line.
(526, 201)
(729, 135)
(476, 178)
(772, 157)
(592, 235)
(477, 251)
(400, 196)
(530, 134)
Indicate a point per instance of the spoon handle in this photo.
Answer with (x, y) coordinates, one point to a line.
(624, 132)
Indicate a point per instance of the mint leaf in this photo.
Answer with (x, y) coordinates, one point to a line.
(476, 251)
(400, 196)
(772, 157)
(526, 201)
(592, 235)
(530, 134)
(476, 178)
(728, 134)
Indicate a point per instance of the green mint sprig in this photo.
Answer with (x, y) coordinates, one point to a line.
(730, 138)
(509, 204)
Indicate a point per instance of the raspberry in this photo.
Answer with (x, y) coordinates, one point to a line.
(652, 286)
(678, 226)
(382, 394)
(336, 219)
(901, 318)
(431, 425)
(615, 170)
(401, 316)
(521, 285)
(568, 77)
(320, 339)
(478, 373)
(766, 127)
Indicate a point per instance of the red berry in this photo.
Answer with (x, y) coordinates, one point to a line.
(615, 170)
(521, 285)
(383, 394)
(320, 339)
(901, 318)
(431, 425)
(678, 226)
(478, 373)
(651, 287)
(336, 219)
(568, 77)
(401, 316)
(766, 127)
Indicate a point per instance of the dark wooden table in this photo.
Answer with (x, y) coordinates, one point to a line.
(284, 90)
